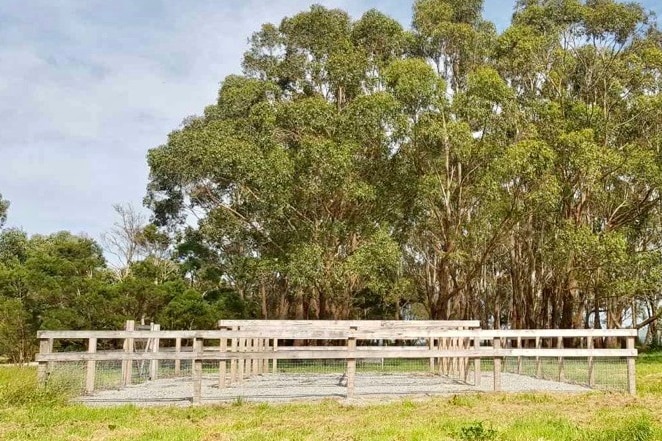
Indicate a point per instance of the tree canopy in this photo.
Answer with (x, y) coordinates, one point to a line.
(358, 168)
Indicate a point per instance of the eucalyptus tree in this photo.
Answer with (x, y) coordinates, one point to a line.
(285, 170)
(587, 77)
(510, 177)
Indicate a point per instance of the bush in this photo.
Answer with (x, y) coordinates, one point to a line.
(477, 432)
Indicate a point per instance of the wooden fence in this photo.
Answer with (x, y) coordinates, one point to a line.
(253, 347)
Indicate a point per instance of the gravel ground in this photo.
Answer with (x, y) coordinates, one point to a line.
(310, 387)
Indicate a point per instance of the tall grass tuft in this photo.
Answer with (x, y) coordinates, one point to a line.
(19, 387)
(639, 429)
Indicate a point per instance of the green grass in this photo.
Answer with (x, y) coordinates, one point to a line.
(28, 412)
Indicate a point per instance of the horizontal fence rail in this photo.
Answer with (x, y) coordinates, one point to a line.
(242, 349)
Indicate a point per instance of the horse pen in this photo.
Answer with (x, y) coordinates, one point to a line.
(285, 360)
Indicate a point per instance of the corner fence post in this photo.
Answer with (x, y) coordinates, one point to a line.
(351, 363)
(42, 367)
(496, 345)
(51, 364)
(127, 363)
(632, 381)
(197, 371)
(90, 375)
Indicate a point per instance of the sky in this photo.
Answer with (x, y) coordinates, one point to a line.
(88, 86)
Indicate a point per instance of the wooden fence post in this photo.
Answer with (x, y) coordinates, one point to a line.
(466, 344)
(233, 362)
(559, 345)
(461, 361)
(477, 372)
(51, 364)
(591, 371)
(431, 347)
(445, 359)
(127, 365)
(519, 359)
(632, 385)
(351, 364)
(265, 361)
(222, 365)
(91, 366)
(256, 361)
(241, 363)
(274, 362)
(42, 367)
(197, 371)
(178, 362)
(496, 344)
(538, 362)
(154, 364)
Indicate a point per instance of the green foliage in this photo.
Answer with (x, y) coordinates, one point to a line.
(359, 168)
(477, 432)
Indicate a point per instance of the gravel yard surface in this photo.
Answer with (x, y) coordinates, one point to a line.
(310, 387)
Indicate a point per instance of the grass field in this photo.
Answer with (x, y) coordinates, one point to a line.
(27, 412)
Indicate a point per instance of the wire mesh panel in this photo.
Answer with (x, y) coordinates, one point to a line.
(598, 373)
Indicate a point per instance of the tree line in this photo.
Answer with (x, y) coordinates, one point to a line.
(360, 169)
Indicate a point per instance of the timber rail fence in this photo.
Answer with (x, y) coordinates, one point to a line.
(241, 349)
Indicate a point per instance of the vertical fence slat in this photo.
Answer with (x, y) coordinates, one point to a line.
(234, 343)
(477, 372)
(632, 384)
(127, 365)
(496, 344)
(591, 371)
(351, 365)
(519, 359)
(538, 362)
(256, 361)
(197, 371)
(51, 364)
(559, 345)
(91, 366)
(274, 362)
(222, 365)
(431, 347)
(241, 363)
(154, 364)
(42, 367)
(178, 362)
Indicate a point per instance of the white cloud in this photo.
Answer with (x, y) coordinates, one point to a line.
(86, 88)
